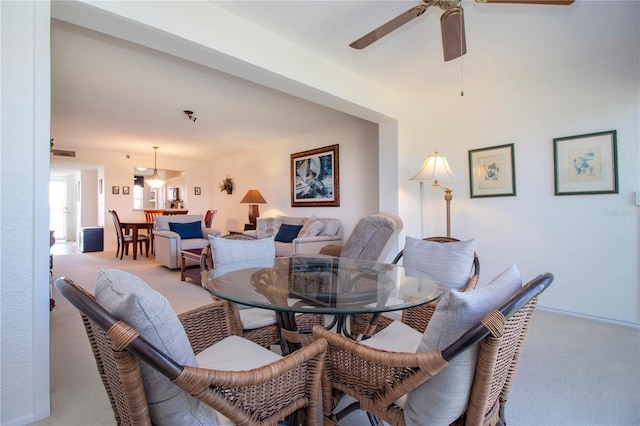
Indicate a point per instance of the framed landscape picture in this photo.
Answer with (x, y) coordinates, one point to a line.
(492, 171)
(315, 178)
(586, 164)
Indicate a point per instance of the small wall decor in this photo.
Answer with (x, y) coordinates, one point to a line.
(586, 164)
(125, 190)
(226, 185)
(115, 189)
(197, 190)
(492, 171)
(315, 178)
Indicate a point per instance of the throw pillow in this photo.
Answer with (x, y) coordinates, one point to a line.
(287, 233)
(444, 397)
(312, 227)
(187, 230)
(130, 299)
(448, 263)
(267, 226)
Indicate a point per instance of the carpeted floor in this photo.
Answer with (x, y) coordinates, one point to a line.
(573, 371)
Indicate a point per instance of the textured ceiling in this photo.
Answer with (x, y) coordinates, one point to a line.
(117, 95)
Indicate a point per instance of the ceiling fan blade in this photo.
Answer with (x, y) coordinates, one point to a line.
(385, 29)
(552, 2)
(454, 43)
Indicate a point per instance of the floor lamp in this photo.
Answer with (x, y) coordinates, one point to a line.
(437, 171)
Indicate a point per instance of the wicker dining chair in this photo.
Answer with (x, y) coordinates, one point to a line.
(268, 332)
(417, 317)
(378, 379)
(287, 387)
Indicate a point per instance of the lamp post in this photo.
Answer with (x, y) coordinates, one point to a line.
(436, 170)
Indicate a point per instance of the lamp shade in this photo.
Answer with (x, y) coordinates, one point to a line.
(253, 196)
(435, 169)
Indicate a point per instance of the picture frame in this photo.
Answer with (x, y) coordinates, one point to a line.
(115, 189)
(586, 164)
(492, 171)
(315, 177)
(197, 190)
(125, 190)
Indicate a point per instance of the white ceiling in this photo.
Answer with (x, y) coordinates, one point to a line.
(114, 95)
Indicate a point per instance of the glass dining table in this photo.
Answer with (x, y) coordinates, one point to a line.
(323, 285)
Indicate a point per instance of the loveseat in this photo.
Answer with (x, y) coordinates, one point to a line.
(179, 232)
(295, 235)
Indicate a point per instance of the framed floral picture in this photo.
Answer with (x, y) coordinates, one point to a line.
(586, 164)
(315, 178)
(492, 171)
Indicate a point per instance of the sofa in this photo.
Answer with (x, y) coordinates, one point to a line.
(298, 235)
(179, 232)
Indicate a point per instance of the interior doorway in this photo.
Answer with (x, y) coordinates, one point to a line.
(63, 204)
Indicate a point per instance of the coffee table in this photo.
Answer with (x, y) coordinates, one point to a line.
(193, 273)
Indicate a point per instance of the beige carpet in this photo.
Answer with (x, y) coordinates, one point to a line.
(573, 371)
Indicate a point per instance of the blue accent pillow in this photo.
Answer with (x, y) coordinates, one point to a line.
(187, 230)
(287, 233)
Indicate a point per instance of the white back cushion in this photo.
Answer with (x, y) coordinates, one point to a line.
(448, 263)
(444, 397)
(130, 299)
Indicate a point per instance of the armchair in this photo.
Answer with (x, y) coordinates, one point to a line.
(169, 243)
(475, 334)
(195, 369)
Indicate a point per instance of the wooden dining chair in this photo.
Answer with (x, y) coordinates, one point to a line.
(208, 217)
(125, 240)
(149, 215)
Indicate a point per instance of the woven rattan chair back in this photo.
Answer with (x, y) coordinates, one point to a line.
(266, 335)
(261, 396)
(418, 317)
(376, 378)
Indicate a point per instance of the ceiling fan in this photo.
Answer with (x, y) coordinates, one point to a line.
(454, 42)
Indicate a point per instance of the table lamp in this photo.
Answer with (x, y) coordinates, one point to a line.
(253, 198)
(437, 171)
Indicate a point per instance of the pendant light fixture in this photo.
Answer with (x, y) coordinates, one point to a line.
(155, 181)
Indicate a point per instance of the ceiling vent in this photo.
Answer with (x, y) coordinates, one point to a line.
(63, 153)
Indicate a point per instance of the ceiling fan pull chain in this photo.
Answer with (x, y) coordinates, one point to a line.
(461, 70)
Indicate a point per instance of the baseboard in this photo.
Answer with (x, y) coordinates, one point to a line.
(628, 324)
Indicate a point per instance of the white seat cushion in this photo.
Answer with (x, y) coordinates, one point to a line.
(235, 353)
(396, 337)
(253, 318)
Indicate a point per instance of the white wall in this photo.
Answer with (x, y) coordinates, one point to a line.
(589, 242)
(24, 228)
(268, 170)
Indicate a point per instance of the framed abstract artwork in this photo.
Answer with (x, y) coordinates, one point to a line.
(586, 164)
(315, 178)
(492, 171)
